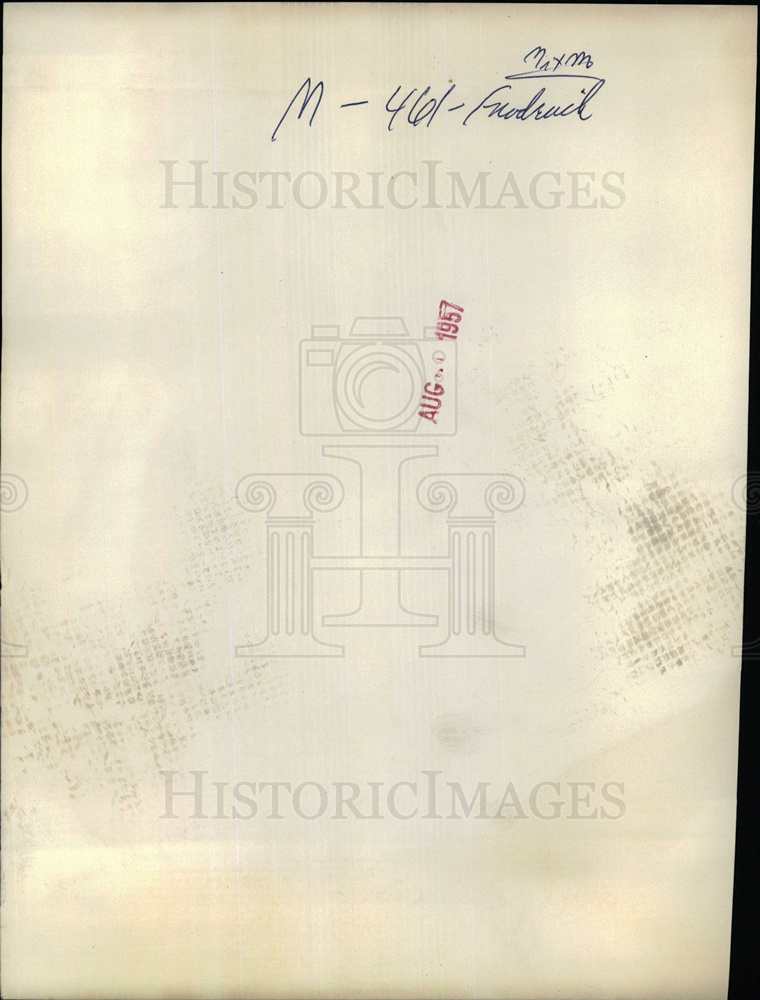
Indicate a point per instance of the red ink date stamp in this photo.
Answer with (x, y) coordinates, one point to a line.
(449, 317)
(447, 328)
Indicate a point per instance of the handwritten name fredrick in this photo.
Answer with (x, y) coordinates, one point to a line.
(556, 86)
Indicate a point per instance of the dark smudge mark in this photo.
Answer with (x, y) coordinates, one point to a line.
(666, 556)
(457, 734)
(669, 597)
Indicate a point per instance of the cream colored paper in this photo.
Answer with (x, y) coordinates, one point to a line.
(234, 554)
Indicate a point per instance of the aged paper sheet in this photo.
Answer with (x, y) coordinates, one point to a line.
(373, 439)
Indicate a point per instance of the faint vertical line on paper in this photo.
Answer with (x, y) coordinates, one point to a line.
(226, 501)
(52, 454)
(459, 468)
(106, 587)
(491, 603)
(321, 467)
